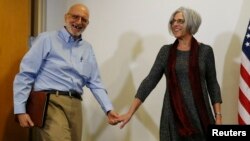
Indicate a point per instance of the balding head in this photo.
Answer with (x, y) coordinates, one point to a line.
(76, 19)
(79, 8)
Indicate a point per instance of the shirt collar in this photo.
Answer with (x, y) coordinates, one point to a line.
(64, 34)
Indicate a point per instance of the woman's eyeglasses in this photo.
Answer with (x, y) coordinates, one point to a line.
(178, 21)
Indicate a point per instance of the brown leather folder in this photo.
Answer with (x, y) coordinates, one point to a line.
(36, 107)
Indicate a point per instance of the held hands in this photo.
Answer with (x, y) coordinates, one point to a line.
(114, 118)
(25, 120)
(124, 119)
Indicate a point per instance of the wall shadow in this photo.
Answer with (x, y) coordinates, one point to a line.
(230, 77)
(120, 83)
(231, 70)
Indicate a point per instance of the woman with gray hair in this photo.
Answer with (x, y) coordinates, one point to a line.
(189, 68)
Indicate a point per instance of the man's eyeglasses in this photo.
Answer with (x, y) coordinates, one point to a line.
(77, 17)
(179, 21)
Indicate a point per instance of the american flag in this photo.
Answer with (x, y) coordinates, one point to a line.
(244, 90)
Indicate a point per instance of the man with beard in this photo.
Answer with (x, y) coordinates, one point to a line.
(61, 63)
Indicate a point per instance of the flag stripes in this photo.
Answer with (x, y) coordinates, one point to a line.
(244, 90)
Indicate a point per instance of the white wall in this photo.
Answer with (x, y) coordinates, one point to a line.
(127, 35)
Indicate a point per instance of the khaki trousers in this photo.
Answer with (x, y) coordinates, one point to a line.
(63, 120)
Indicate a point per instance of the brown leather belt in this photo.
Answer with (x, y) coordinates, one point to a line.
(65, 93)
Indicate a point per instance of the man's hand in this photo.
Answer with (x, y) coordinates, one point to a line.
(113, 117)
(25, 120)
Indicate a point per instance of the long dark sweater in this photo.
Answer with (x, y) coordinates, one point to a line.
(209, 83)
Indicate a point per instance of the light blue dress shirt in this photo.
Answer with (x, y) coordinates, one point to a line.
(57, 61)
